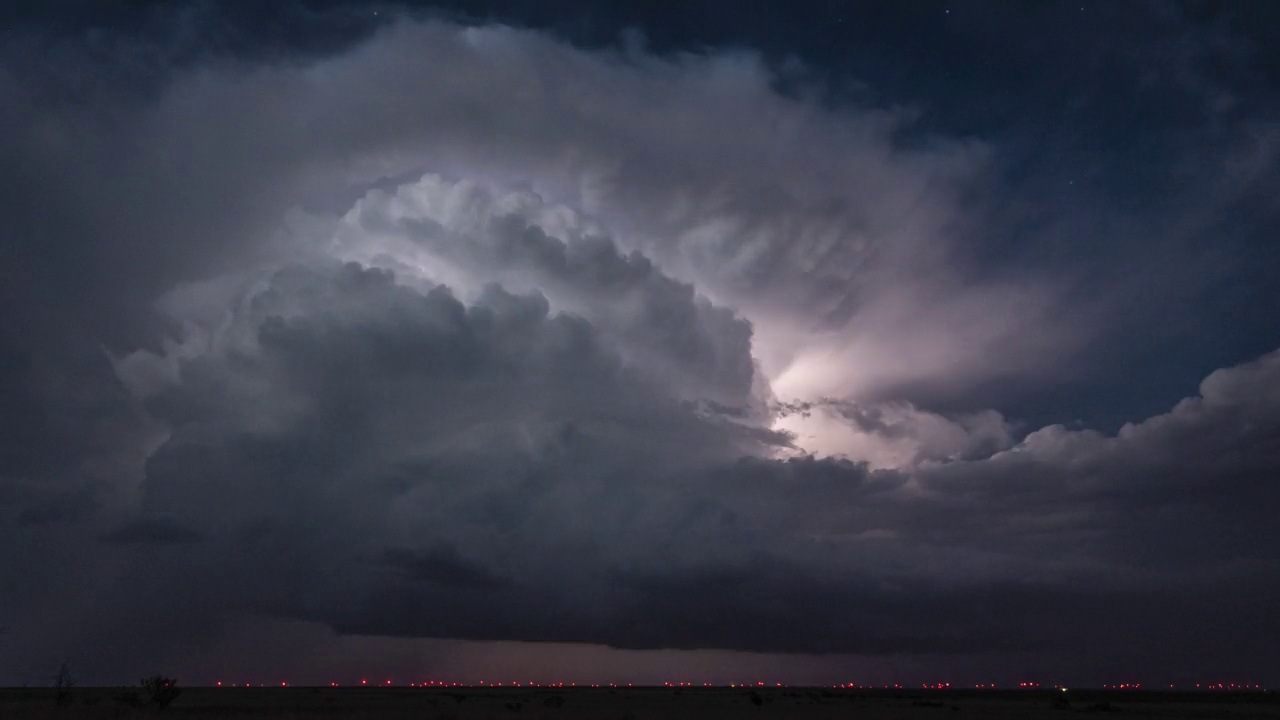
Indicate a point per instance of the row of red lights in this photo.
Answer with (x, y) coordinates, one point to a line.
(846, 686)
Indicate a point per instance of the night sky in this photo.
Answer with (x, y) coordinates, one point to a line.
(709, 341)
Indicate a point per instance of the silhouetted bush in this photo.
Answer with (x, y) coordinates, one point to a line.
(62, 684)
(160, 690)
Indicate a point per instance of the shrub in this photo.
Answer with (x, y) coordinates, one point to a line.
(62, 684)
(160, 690)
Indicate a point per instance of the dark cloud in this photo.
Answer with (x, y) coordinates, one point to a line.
(441, 566)
(65, 508)
(447, 333)
(152, 531)
(688, 550)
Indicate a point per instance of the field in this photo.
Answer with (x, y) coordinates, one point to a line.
(628, 704)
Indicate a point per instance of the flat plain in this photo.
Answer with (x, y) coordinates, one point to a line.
(628, 704)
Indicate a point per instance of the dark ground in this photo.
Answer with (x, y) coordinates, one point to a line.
(630, 704)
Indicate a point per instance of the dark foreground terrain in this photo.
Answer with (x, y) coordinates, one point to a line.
(627, 704)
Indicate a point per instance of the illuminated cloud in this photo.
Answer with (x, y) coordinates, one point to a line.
(456, 335)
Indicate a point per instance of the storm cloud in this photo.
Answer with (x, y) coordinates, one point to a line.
(457, 332)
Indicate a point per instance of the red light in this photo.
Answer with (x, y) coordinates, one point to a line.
(219, 683)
